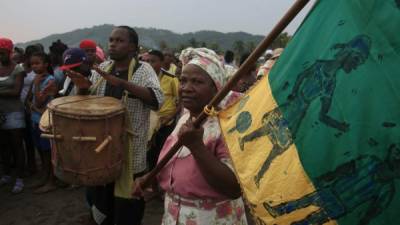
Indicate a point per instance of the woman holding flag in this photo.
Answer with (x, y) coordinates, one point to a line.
(199, 181)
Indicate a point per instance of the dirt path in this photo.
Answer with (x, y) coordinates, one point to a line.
(64, 206)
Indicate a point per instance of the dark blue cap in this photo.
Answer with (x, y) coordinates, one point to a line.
(73, 57)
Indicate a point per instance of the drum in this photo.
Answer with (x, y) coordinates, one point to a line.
(44, 124)
(87, 134)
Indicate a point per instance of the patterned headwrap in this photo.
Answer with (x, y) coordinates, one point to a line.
(7, 44)
(208, 60)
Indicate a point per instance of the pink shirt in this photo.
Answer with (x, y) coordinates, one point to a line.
(181, 175)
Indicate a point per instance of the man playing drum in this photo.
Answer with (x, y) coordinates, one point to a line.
(136, 84)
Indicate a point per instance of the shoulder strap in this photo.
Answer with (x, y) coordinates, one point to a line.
(167, 73)
(133, 67)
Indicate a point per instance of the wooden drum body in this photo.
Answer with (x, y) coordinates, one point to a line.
(87, 135)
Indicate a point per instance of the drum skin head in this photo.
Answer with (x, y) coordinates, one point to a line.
(85, 105)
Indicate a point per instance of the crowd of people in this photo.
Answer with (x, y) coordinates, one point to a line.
(162, 91)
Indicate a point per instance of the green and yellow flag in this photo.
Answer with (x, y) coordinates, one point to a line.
(318, 141)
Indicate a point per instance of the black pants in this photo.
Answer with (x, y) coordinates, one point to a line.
(117, 211)
(11, 145)
(29, 147)
(155, 149)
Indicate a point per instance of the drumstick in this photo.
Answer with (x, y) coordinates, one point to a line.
(84, 138)
(103, 144)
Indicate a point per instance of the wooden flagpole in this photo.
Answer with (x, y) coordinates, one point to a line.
(261, 48)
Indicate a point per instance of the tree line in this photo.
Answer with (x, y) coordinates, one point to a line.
(238, 47)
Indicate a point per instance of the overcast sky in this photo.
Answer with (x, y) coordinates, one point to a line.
(24, 20)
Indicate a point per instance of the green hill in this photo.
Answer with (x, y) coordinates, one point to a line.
(159, 38)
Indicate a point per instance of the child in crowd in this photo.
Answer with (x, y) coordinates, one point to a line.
(43, 90)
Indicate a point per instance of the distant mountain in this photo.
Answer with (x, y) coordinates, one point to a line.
(158, 38)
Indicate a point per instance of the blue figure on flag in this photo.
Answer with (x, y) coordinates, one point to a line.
(318, 82)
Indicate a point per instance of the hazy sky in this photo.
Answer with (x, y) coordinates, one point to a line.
(24, 20)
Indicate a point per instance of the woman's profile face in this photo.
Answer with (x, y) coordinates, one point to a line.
(196, 88)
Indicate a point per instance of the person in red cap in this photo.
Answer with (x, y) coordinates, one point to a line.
(6, 45)
(12, 119)
(90, 47)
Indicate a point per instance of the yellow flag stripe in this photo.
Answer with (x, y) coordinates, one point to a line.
(285, 180)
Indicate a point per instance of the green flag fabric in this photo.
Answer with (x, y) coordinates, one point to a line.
(336, 91)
